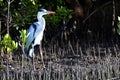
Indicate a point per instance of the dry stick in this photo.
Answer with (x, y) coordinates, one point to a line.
(41, 53)
(7, 77)
(45, 52)
(81, 53)
(23, 55)
(39, 76)
(99, 72)
(8, 33)
(109, 53)
(117, 50)
(8, 15)
(1, 52)
(103, 75)
(77, 46)
(71, 47)
(88, 50)
(108, 72)
(21, 78)
(54, 51)
(32, 75)
(8, 20)
(116, 69)
(94, 52)
(99, 51)
(33, 58)
(113, 21)
(105, 52)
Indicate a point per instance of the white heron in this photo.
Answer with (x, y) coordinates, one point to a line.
(35, 34)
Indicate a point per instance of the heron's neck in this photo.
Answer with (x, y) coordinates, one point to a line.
(39, 16)
(41, 20)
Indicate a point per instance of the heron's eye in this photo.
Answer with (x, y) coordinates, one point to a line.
(43, 10)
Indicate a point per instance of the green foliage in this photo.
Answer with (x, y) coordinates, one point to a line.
(9, 45)
(118, 24)
(23, 35)
(25, 13)
(62, 13)
(21, 12)
(3, 7)
(1, 0)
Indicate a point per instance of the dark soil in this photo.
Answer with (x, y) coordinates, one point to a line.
(82, 61)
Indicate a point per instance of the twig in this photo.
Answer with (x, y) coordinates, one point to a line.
(70, 45)
(8, 15)
(11, 1)
(113, 21)
(7, 70)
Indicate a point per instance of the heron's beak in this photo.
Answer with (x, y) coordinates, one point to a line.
(51, 12)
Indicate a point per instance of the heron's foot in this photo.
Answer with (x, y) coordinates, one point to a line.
(41, 67)
(29, 58)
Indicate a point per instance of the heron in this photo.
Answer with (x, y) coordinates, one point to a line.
(35, 35)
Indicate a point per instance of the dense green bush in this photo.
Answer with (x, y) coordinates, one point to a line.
(9, 45)
(22, 13)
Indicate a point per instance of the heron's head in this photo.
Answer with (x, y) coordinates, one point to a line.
(42, 12)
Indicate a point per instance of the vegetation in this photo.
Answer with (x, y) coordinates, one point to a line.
(81, 41)
(9, 44)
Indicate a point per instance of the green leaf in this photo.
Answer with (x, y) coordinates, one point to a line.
(23, 35)
(7, 40)
(14, 45)
(62, 13)
(8, 44)
(9, 50)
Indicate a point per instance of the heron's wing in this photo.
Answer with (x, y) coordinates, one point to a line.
(39, 32)
(31, 35)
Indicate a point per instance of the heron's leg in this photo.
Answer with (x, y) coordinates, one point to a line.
(41, 54)
(33, 55)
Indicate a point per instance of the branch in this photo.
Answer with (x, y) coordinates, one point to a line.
(11, 1)
(96, 11)
(8, 15)
(113, 21)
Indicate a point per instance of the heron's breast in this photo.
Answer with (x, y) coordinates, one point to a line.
(38, 38)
